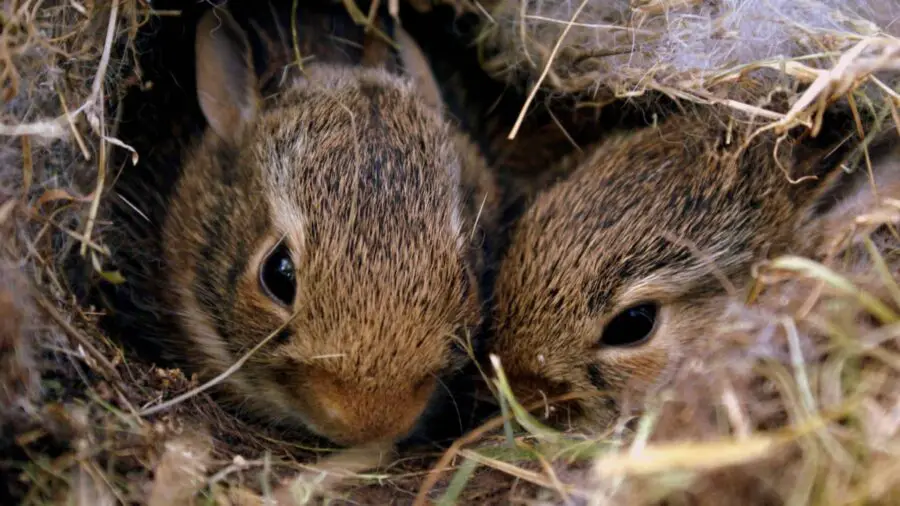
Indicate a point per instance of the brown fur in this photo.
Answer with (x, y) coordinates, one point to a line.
(19, 374)
(661, 215)
(377, 197)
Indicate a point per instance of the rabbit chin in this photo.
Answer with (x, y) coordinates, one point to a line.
(266, 403)
(343, 413)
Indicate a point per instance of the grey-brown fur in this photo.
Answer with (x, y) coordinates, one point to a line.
(378, 198)
(662, 214)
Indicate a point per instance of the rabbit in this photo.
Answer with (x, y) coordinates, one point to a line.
(345, 210)
(615, 271)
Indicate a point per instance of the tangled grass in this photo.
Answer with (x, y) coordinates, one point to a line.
(795, 402)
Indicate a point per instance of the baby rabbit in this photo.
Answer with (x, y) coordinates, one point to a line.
(344, 210)
(615, 270)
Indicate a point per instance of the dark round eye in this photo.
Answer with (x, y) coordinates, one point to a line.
(277, 275)
(632, 326)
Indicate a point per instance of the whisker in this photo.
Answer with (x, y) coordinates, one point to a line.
(452, 399)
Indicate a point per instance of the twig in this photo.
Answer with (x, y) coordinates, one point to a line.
(294, 38)
(444, 463)
(58, 127)
(73, 333)
(71, 121)
(107, 50)
(537, 85)
(218, 379)
(598, 26)
(95, 202)
(478, 217)
(97, 96)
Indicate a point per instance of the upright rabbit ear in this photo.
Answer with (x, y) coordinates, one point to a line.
(226, 82)
(416, 65)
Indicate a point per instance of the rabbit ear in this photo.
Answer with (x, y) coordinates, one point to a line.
(881, 151)
(416, 65)
(376, 50)
(834, 210)
(226, 82)
(815, 163)
(840, 162)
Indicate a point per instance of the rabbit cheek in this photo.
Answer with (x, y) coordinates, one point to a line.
(634, 371)
(252, 324)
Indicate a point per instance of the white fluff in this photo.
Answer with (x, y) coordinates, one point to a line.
(620, 43)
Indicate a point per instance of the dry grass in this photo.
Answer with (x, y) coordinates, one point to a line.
(795, 403)
(732, 52)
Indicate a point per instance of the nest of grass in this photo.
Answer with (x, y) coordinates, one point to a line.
(796, 402)
(731, 52)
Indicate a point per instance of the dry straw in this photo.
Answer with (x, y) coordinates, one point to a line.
(787, 405)
(802, 406)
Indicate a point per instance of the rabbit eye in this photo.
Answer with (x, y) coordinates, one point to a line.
(631, 327)
(277, 275)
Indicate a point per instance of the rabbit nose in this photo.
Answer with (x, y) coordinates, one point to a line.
(541, 397)
(530, 389)
(350, 414)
